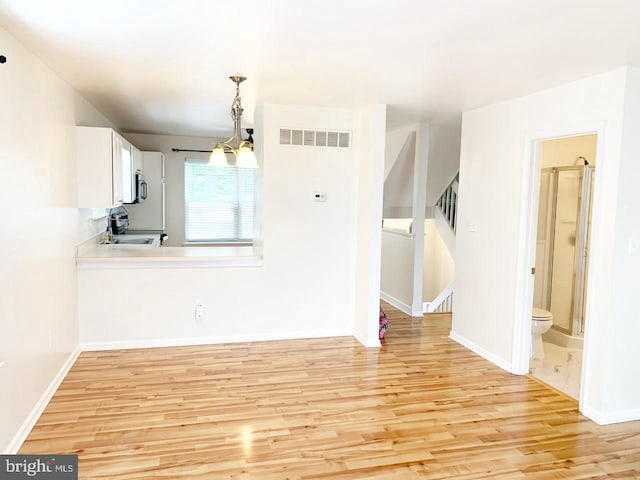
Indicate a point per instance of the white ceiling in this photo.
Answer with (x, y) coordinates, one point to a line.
(163, 66)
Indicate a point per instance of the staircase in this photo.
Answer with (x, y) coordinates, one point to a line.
(408, 154)
(445, 220)
(442, 303)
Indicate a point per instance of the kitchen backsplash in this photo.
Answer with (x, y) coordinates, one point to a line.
(91, 221)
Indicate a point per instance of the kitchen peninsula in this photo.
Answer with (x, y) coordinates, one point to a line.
(165, 295)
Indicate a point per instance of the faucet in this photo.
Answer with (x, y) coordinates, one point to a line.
(108, 235)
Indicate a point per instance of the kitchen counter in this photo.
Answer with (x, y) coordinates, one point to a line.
(95, 256)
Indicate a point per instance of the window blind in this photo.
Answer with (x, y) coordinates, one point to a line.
(219, 203)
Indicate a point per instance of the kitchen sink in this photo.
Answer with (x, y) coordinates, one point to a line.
(132, 241)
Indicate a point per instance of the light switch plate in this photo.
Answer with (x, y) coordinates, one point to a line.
(634, 246)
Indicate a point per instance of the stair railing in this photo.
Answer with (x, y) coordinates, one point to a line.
(442, 303)
(448, 202)
(448, 205)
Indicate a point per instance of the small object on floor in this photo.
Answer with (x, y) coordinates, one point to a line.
(383, 325)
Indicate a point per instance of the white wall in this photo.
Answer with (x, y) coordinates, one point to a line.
(496, 148)
(306, 286)
(368, 222)
(564, 152)
(621, 394)
(174, 174)
(398, 186)
(40, 226)
(444, 156)
(395, 141)
(396, 281)
(438, 266)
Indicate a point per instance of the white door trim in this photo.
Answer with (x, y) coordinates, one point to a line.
(527, 247)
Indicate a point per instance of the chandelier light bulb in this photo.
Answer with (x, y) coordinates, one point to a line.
(218, 157)
(246, 158)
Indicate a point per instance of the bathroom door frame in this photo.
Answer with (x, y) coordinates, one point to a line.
(527, 246)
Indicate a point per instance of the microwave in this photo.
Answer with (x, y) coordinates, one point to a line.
(141, 188)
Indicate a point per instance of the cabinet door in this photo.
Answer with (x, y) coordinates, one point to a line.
(117, 166)
(128, 175)
(94, 167)
(137, 159)
(104, 168)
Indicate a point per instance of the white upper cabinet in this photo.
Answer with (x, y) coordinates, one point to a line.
(104, 169)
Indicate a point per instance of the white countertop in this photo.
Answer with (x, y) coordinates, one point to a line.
(92, 255)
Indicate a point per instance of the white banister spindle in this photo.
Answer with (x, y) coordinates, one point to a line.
(445, 202)
(453, 211)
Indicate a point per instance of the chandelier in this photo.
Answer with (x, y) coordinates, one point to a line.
(242, 149)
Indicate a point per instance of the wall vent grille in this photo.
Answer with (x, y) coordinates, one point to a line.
(315, 138)
(285, 136)
(321, 139)
(296, 137)
(309, 138)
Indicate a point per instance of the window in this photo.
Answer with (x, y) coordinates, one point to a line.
(218, 203)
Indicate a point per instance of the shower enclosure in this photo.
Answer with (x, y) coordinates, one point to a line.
(562, 244)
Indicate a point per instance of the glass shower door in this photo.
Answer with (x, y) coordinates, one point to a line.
(566, 226)
(582, 257)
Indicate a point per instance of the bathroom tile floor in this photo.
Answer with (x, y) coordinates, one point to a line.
(561, 368)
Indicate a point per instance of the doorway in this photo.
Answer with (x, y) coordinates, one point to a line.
(562, 236)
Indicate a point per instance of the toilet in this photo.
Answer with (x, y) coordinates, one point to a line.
(541, 321)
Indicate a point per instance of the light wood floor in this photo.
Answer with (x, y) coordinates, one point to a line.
(420, 407)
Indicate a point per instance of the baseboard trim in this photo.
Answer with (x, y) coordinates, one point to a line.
(400, 305)
(188, 341)
(602, 418)
(366, 343)
(39, 407)
(477, 349)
